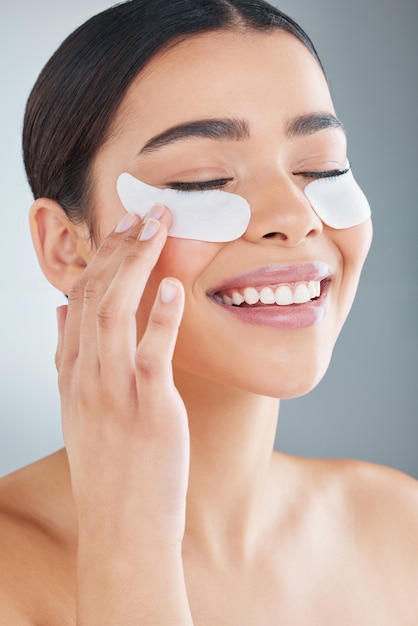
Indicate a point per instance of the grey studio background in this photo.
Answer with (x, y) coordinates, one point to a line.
(367, 405)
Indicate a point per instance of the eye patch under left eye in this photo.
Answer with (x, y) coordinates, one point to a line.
(339, 202)
(215, 216)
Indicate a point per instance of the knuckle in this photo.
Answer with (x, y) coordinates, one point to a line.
(130, 237)
(160, 320)
(106, 314)
(137, 254)
(107, 245)
(148, 365)
(86, 288)
(132, 257)
(76, 291)
(92, 288)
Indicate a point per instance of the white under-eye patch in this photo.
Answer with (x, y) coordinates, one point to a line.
(219, 216)
(213, 215)
(338, 201)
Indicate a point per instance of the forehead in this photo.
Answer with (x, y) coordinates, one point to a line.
(248, 75)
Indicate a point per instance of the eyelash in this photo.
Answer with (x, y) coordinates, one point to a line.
(331, 174)
(200, 185)
(206, 185)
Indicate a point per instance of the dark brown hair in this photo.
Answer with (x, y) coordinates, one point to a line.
(77, 94)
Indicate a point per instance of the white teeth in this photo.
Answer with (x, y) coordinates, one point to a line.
(284, 295)
(237, 298)
(251, 295)
(301, 294)
(267, 295)
(312, 289)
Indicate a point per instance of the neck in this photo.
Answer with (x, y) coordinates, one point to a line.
(231, 437)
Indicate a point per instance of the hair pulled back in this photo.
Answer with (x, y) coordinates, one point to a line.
(73, 103)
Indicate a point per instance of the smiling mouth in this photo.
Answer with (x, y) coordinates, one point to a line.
(283, 294)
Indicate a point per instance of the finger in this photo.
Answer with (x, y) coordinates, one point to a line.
(153, 360)
(88, 291)
(116, 315)
(107, 268)
(87, 286)
(61, 318)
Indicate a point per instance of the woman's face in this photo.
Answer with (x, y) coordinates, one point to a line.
(268, 81)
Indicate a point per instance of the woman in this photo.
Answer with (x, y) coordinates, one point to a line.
(168, 505)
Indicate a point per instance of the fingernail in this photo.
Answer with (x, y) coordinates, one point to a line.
(150, 228)
(126, 223)
(155, 212)
(168, 290)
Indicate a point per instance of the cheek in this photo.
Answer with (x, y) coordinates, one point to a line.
(186, 260)
(354, 244)
(183, 259)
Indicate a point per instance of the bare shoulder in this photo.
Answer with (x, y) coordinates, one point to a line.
(384, 481)
(380, 504)
(362, 521)
(384, 502)
(36, 544)
(377, 508)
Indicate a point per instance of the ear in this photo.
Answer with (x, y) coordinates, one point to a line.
(60, 245)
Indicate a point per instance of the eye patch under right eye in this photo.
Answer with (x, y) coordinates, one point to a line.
(215, 216)
(339, 202)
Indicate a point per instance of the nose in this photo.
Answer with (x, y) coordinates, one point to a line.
(281, 212)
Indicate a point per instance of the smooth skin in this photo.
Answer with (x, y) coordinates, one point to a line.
(169, 505)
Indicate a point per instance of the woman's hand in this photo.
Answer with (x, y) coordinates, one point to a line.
(126, 432)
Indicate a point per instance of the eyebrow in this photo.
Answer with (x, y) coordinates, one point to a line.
(229, 128)
(312, 123)
(234, 129)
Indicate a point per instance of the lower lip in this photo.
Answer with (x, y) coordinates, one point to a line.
(289, 317)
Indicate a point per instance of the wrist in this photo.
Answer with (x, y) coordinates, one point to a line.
(132, 584)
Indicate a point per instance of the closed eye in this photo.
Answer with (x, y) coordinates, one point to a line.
(206, 185)
(328, 174)
(200, 185)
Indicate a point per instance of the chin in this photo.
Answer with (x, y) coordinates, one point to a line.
(294, 379)
(282, 367)
(297, 388)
